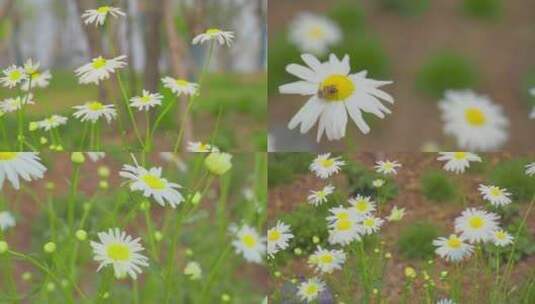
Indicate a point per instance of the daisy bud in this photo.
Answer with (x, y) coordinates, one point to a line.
(103, 172)
(50, 186)
(103, 185)
(52, 147)
(218, 163)
(315, 239)
(189, 252)
(410, 272)
(106, 295)
(26, 276)
(298, 251)
(87, 206)
(33, 126)
(388, 255)
(77, 158)
(4, 247)
(158, 236)
(59, 148)
(376, 250)
(49, 247)
(375, 291)
(277, 274)
(225, 297)
(64, 283)
(81, 235)
(50, 287)
(193, 271)
(430, 262)
(43, 140)
(293, 281)
(196, 199)
(443, 274)
(145, 205)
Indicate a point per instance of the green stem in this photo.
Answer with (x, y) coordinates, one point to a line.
(72, 204)
(129, 109)
(213, 273)
(148, 141)
(150, 227)
(84, 135)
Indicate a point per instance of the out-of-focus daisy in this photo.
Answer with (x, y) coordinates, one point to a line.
(96, 156)
(475, 121)
(175, 159)
(476, 225)
(98, 16)
(378, 183)
(99, 69)
(94, 110)
(362, 205)
(371, 224)
(458, 162)
(314, 34)
(6, 220)
(396, 214)
(387, 167)
(199, 147)
(495, 195)
(26, 165)
(453, 249)
(335, 94)
(152, 184)
(14, 104)
(222, 37)
(309, 290)
(319, 197)
(344, 226)
(38, 79)
(193, 270)
(13, 75)
(445, 301)
(120, 250)
(52, 122)
(326, 261)
(146, 101)
(278, 237)
(502, 238)
(530, 169)
(249, 244)
(324, 166)
(180, 86)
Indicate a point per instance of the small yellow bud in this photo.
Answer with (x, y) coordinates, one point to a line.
(196, 199)
(33, 126)
(375, 291)
(26, 276)
(50, 287)
(388, 255)
(103, 171)
(50, 186)
(158, 236)
(43, 140)
(49, 247)
(410, 272)
(145, 205)
(81, 235)
(77, 158)
(103, 185)
(225, 297)
(4, 247)
(315, 239)
(298, 251)
(218, 163)
(277, 274)
(189, 252)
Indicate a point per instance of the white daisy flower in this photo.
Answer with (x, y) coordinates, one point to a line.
(445, 301)
(152, 184)
(14, 104)
(476, 225)
(99, 69)
(326, 261)
(319, 197)
(94, 110)
(95, 156)
(199, 147)
(378, 183)
(502, 238)
(120, 250)
(181, 87)
(453, 249)
(309, 290)
(396, 214)
(371, 224)
(387, 167)
(222, 37)
(193, 271)
(458, 162)
(495, 195)
(6, 220)
(39, 80)
(27, 165)
(530, 169)
(278, 238)
(324, 166)
(98, 16)
(146, 101)
(344, 226)
(52, 122)
(335, 94)
(13, 75)
(249, 244)
(314, 34)
(363, 205)
(475, 121)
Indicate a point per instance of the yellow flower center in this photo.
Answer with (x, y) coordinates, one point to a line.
(103, 10)
(327, 163)
(311, 289)
(274, 235)
(343, 225)
(454, 242)
(336, 88)
(495, 191)
(500, 235)
(326, 259)
(361, 206)
(249, 241)
(118, 252)
(8, 155)
(15, 75)
(475, 117)
(95, 106)
(369, 222)
(154, 182)
(342, 216)
(145, 99)
(388, 166)
(316, 32)
(35, 75)
(476, 222)
(212, 31)
(99, 63)
(181, 83)
(459, 155)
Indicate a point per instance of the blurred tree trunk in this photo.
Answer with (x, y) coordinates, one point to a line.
(94, 42)
(130, 48)
(261, 17)
(178, 52)
(153, 16)
(6, 8)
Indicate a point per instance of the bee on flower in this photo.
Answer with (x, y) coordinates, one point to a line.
(458, 162)
(222, 37)
(278, 238)
(495, 195)
(319, 197)
(98, 16)
(324, 166)
(99, 69)
(314, 34)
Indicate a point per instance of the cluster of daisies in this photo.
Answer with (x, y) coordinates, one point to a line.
(475, 121)
(29, 77)
(358, 218)
(346, 223)
(115, 247)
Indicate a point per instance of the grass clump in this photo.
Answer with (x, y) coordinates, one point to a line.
(511, 175)
(406, 7)
(416, 240)
(444, 71)
(283, 167)
(438, 187)
(483, 9)
(366, 53)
